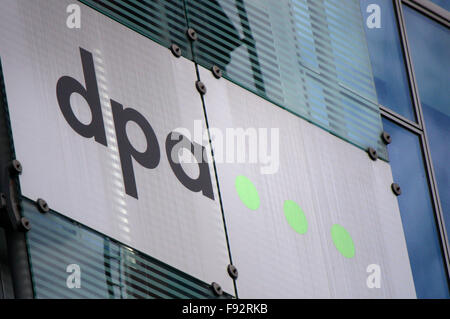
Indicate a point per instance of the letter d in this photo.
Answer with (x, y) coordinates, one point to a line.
(67, 85)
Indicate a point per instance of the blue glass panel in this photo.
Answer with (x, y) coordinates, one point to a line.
(443, 3)
(386, 55)
(430, 50)
(417, 213)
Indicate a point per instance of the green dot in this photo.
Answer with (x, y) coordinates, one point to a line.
(343, 241)
(295, 216)
(247, 192)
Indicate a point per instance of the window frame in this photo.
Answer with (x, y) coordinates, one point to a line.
(442, 16)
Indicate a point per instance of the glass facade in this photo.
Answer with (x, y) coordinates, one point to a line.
(326, 61)
(412, 152)
(442, 3)
(108, 268)
(429, 43)
(309, 57)
(418, 218)
(161, 21)
(386, 54)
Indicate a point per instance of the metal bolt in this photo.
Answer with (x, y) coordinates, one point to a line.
(396, 189)
(201, 88)
(25, 224)
(192, 34)
(216, 71)
(42, 205)
(232, 271)
(2, 201)
(217, 289)
(387, 139)
(372, 153)
(176, 51)
(16, 167)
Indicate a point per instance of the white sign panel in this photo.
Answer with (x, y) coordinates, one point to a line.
(92, 111)
(308, 215)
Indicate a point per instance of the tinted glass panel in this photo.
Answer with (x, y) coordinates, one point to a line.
(309, 57)
(161, 21)
(386, 55)
(417, 213)
(430, 49)
(108, 269)
(443, 3)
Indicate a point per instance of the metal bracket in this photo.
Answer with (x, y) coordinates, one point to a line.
(25, 224)
(192, 34)
(42, 205)
(10, 216)
(232, 271)
(201, 88)
(216, 71)
(217, 289)
(175, 49)
(396, 189)
(386, 137)
(372, 153)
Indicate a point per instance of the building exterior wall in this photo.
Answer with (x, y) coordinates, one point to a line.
(100, 115)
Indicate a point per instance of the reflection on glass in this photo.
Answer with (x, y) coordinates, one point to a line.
(386, 55)
(429, 43)
(419, 226)
(308, 56)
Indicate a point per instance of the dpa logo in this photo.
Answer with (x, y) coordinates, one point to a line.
(150, 158)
